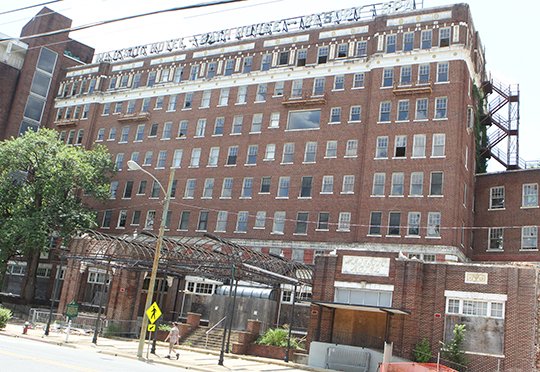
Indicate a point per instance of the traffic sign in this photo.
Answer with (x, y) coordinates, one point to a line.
(153, 313)
(72, 310)
(151, 327)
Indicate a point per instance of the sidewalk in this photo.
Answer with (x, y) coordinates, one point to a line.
(190, 358)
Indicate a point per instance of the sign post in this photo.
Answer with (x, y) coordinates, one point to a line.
(72, 311)
(153, 313)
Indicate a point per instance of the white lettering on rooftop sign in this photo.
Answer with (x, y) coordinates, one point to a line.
(313, 21)
(358, 265)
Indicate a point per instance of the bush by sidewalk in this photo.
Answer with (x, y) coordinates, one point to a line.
(5, 316)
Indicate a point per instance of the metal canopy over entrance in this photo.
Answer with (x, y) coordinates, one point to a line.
(376, 309)
(208, 256)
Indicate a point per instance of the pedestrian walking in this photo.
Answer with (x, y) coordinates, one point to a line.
(173, 337)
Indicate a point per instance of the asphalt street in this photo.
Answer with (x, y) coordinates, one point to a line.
(18, 354)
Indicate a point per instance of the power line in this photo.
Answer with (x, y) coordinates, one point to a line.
(114, 20)
(29, 7)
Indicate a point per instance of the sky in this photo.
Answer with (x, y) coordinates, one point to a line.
(504, 29)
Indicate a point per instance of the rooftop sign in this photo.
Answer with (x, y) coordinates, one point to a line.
(313, 21)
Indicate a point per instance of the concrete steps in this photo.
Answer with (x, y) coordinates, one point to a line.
(198, 338)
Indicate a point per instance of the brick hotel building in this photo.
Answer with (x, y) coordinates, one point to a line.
(352, 131)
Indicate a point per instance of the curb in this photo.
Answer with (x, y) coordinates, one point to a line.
(44, 340)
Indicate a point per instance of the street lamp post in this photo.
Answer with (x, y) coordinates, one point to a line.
(134, 166)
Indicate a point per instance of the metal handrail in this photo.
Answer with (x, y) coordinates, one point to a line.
(211, 329)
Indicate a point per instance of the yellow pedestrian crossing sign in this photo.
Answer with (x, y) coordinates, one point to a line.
(151, 327)
(153, 313)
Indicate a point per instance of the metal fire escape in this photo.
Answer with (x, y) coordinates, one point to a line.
(502, 122)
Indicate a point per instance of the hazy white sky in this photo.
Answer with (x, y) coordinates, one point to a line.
(504, 29)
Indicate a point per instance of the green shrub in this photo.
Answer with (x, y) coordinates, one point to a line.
(278, 337)
(453, 350)
(164, 327)
(112, 330)
(5, 316)
(422, 351)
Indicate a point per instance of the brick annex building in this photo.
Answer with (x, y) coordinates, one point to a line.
(349, 140)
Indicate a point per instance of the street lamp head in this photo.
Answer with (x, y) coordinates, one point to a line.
(132, 165)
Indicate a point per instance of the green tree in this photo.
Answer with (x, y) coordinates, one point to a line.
(453, 350)
(41, 183)
(422, 351)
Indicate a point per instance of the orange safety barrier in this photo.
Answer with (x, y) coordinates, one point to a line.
(414, 367)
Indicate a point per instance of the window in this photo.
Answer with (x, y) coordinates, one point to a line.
(270, 152)
(322, 54)
(261, 92)
(173, 99)
(342, 50)
(221, 221)
(296, 89)
(530, 195)
(153, 130)
(205, 99)
(438, 147)
(390, 43)
(348, 184)
(128, 188)
(496, 197)
(252, 155)
(256, 123)
(381, 152)
(202, 224)
(182, 128)
(159, 102)
(408, 41)
(211, 70)
(388, 77)
(194, 72)
(421, 109)
(118, 107)
(442, 72)
(232, 155)
(529, 237)
(301, 223)
(375, 220)
(436, 184)
(188, 100)
(274, 120)
(301, 57)
(335, 115)
(283, 187)
(288, 153)
(423, 74)
(247, 188)
(384, 111)
(237, 124)
(122, 219)
(148, 157)
(279, 222)
(213, 157)
(218, 126)
(229, 67)
(226, 188)
(167, 130)
(413, 224)
(356, 113)
(394, 223)
(331, 149)
(361, 48)
(344, 221)
(100, 134)
(283, 58)
(184, 220)
(107, 216)
(310, 153)
(496, 238)
(155, 189)
(426, 39)
(242, 222)
(379, 180)
(434, 224)
(417, 184)
(400, 146)
(177, 158)
(406, 75)
(327, 185)
(150, 218)
(139, 135)
(441, 108)
(279, 88)
(195, 158)
(318, 86)
(162, 158)
(200, 128)
(145, 106)
(322, 222)
(351, 150)
(403, 110)
(304, 120)
(419, 146)
(305, 190)
(119, 161)
(208, 188)
(265, 185)
(113, 189)
(339, 81)
(266, 62)
(142, 187)
(358, 80)
(224, 97)
(260, 220)
(444, 36)
(397, 187)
